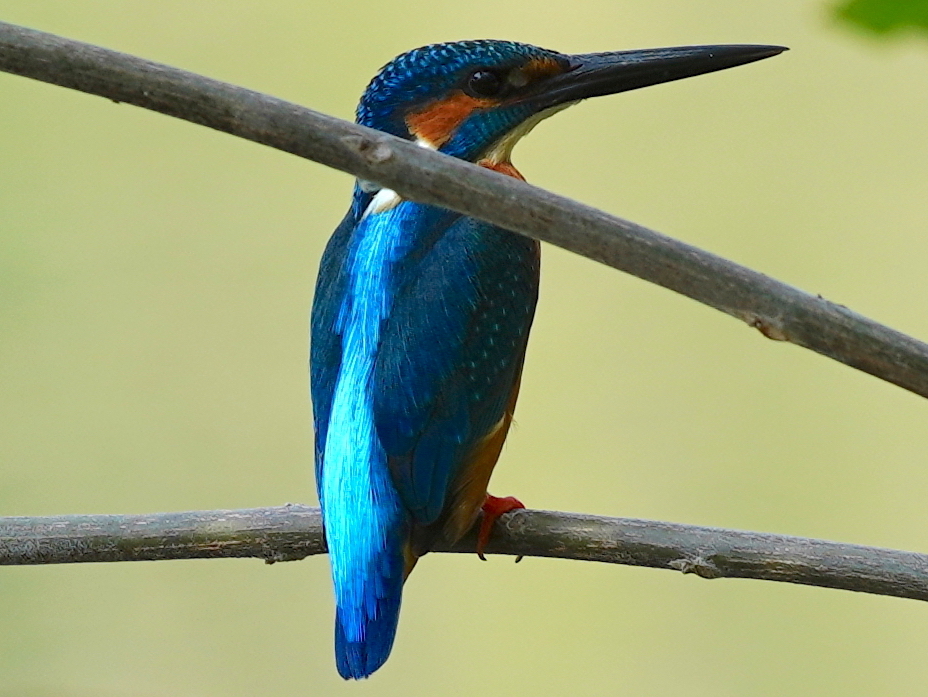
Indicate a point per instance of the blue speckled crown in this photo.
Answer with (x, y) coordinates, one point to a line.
(431, 71)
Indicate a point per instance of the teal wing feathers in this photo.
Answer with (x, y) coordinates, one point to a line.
(450, 354)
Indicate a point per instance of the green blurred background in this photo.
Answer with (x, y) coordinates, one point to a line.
(155, 280)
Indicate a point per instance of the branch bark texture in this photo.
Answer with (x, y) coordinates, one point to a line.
(777, 310)
(292, 532)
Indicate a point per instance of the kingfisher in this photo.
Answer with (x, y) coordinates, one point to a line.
(421, 317)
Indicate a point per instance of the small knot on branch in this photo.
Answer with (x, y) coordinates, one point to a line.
(374, 151)
(700, 566)
(772, 329)
(272, 555)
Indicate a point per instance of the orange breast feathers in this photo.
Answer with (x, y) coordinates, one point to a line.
(503, 168)
(469, 490)
(440, 119)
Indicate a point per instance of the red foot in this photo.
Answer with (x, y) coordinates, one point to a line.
(492, 509)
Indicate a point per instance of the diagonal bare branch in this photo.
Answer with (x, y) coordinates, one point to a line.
(779, 311)
(292, 532)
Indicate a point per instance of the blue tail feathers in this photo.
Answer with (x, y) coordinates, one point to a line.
(364, 634)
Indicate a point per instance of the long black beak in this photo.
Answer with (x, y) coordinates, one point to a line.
(595, 74)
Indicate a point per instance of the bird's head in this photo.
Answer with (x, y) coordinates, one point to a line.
(475, 99)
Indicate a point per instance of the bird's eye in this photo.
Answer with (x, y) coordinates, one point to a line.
(484, 83)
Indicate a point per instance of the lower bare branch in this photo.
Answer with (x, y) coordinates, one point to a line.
(293, 532)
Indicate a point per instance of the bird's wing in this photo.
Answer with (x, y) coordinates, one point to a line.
(329, 302)
(326, 343)
(450, 353)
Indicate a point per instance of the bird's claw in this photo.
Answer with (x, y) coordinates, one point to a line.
(493, 507)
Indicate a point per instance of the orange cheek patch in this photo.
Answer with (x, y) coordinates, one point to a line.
(438, 120)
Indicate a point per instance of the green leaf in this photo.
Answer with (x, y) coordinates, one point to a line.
(884, 16)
